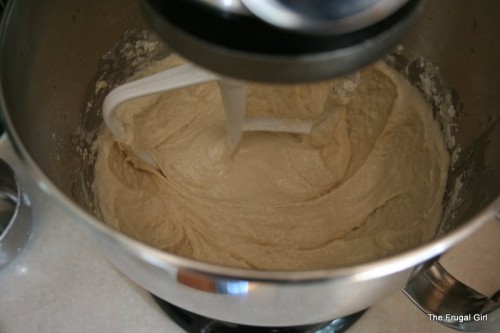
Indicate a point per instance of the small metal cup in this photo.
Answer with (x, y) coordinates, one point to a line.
(15, 216)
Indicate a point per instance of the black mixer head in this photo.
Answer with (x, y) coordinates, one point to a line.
(281, 41)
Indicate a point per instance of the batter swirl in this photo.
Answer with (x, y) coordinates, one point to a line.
(366, 183)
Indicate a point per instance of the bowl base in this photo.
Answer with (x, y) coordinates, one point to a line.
(194, 323)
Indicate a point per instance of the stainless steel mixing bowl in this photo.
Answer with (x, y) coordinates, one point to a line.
(49, 52)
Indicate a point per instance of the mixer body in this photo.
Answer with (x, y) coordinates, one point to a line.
(274, 41)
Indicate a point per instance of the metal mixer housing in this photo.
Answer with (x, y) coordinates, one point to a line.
(281, 41)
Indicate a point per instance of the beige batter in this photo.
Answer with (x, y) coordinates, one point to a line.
(366, 183)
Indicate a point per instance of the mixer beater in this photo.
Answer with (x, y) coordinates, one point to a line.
(233, 93)
(273, 41)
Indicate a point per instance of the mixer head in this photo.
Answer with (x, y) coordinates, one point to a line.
(281, 41)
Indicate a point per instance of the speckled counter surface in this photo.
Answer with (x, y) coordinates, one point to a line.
(62, 283)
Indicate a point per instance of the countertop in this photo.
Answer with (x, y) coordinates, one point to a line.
(62, 283)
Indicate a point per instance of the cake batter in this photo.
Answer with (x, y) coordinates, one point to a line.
(366, 183)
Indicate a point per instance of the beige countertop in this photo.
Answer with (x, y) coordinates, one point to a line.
(61, 282)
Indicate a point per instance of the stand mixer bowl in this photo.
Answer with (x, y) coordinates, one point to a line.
(49, 52)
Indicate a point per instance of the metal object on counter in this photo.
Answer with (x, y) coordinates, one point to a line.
(35, 49)
(281, 41)
(15, 216)
(447, 300)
